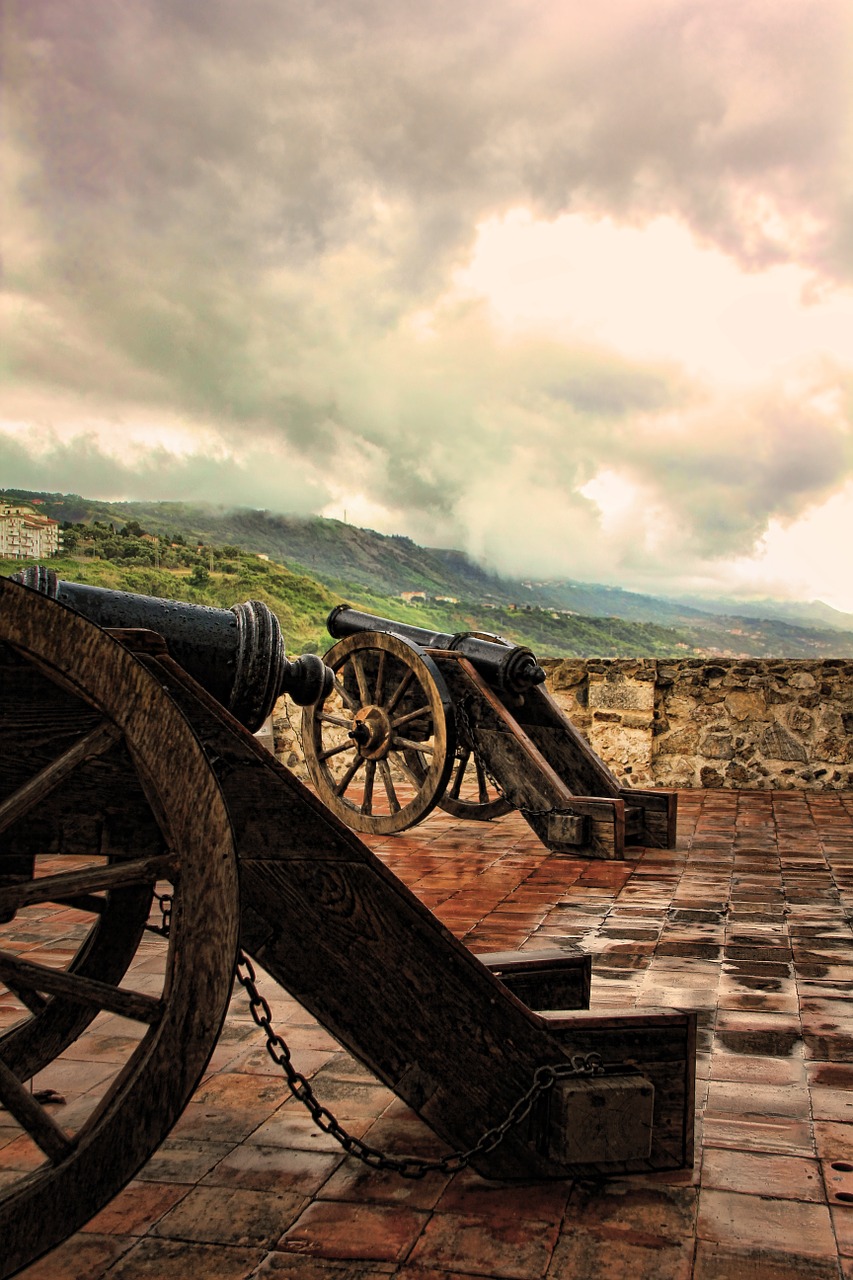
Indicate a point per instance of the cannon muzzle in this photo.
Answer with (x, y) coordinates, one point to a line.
(510, 668)
(236, 654)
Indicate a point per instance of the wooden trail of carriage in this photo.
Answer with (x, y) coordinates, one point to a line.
(123, 779)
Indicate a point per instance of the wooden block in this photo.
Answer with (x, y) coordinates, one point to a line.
(552, 979)
(567, 828)
(600, 1119)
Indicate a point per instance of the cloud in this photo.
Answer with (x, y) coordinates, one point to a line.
(245, 222)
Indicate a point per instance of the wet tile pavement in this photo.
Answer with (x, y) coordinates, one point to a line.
(747, 921)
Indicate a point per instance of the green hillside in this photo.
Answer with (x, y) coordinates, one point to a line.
(302, 567)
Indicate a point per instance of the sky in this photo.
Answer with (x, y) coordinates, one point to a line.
(567, 286)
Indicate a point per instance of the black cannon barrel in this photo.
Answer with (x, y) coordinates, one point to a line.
(236, 654)
(509, 667)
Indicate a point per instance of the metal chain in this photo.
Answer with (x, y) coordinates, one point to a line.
(467, 728)
(165, 902)
(544, 1079)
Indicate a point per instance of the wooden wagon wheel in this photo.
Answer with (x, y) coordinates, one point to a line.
(116, 721)
(470, 792)
(388, 699)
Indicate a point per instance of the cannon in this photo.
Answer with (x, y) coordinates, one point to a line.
(236, 654)
(419, 718)
(129, 793)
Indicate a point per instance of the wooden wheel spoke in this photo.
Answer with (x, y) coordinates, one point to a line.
(397, 740)
(388, 784)
(89, 880)
(326, 717)
(30, 999)
(410, 774)
(361, 679)
(399, 691)
(456, 786)
(379, 687)
(369, 779)
(91, 745)
(349, 775)
(335, 751)
(24, 975)
(344, 696)
(31, 1115)
(411, 715)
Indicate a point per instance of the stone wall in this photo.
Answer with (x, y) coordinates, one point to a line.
(694, 722)
(714, 723)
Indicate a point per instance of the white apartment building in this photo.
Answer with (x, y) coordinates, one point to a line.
(26, 535)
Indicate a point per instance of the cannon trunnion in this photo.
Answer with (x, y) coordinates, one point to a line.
(124, 784)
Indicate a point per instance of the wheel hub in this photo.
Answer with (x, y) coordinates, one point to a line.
(371, 732)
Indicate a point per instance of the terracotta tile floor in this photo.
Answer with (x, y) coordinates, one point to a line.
(747, 921)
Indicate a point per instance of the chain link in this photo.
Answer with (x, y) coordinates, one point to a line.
(544, 1079)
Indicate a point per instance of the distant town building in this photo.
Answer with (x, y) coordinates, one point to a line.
(447, 599)
(413, 597)
(26, 535)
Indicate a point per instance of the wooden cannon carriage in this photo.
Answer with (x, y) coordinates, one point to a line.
(121, 778)
(418, 718)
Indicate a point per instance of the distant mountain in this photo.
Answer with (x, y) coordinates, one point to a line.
(815, 613)
(555, 616)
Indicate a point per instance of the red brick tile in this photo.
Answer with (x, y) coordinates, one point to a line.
(291, 1126)
(153, 1259)
(842, 1222)
(786, 1177)
(653, 1210)
(776, 1134)
(832, 1104)
(532, 1202)
(619, 1255)
(834, 1075)
(180, 1160)
(136, 1208)
(741, 1098)
(755, 1222)
(222, 1215)
(727, 1262)
(259, 1168)
(480, 1246)
(334, 1229)
(80, 1257)
(201, 1122)
(290, 1266)
(356, 1181)
(755, 1070)
(833, 1141)
(838, 1179)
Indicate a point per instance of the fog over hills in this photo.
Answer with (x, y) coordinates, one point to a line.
(352, 561)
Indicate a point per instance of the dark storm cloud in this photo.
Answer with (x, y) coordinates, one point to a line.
(232, 211)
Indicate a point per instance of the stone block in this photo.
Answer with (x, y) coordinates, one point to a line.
(777, 743)
(743, 705)
(717, 746)
(622, 694)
